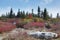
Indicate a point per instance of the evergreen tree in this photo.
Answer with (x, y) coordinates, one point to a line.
(26, 13)
(23, 14)
(38, 11)
(7, 15)
(35, 15)
(42, 14)
(57, 15)
(45, 14)
(32, 13)
(11, 13)
(18, 13)
(3, 16)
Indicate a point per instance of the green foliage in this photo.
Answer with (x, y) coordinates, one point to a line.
(57, 15)
(55, 20)
(27, 14)
(38, 19)
(11, 13)
(42, 14)
(32, 13)
(45, 14)
(3, 16)
(27, 20)
(23, 14)
(18, 13)
(38, 11)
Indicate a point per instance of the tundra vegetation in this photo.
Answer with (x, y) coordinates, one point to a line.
(28, 21)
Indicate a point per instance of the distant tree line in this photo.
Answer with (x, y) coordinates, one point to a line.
(21, 14)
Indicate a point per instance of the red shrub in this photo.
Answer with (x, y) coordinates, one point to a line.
(34, 24)
(5, 26)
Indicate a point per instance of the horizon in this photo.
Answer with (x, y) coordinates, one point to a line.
(26, 5)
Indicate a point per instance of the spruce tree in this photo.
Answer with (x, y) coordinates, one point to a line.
(38, 11)
(11, 13)
(18, 13)
(42, 14)
(57, 15)
(23, 14)
(32, 13)
(45, 14)
(14, 15)
(26, 13)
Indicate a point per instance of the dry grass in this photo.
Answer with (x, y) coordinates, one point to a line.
(22, 37)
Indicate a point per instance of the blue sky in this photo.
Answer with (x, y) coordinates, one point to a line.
(51, 5)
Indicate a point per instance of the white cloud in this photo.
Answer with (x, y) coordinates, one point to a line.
(25, 0)
(54, 11)
(46, 1)
(6, 10)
